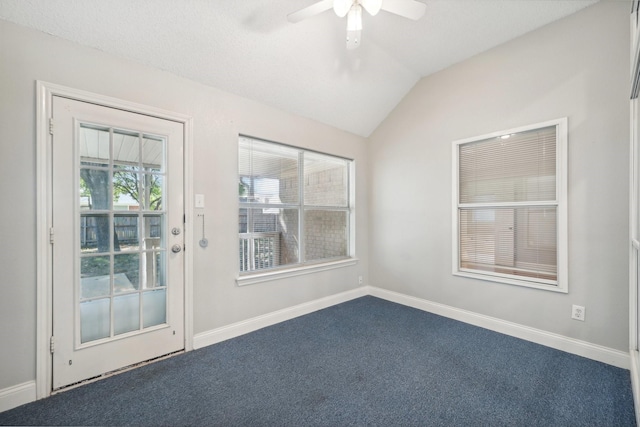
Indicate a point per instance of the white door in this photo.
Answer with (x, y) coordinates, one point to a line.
(117, 199)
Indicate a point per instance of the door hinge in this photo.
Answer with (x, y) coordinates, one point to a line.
(51, 126)
(51, 235)
(52, 345)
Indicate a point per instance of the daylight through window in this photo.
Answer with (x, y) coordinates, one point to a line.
(295, 206)
(510, 207)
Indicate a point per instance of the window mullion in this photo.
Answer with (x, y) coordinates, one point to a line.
(301, 235)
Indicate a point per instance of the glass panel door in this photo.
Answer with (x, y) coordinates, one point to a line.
(117, 188)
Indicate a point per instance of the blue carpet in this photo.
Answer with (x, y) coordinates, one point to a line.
(367, 362)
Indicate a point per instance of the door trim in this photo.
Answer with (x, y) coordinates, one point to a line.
(44, 258)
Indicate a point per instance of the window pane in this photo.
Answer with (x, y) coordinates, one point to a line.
(125, 236)
(94, 189)
(325, 234)
(519, 241)
(95, 276)
(126, 313)
(95, 319)
(153, 153)
(153, 267)
(268, 173)
(325, 180)
(270, 238)
(126, 149)
(154, 307)
(126, 272)
(94, 233)
(512, 168)
(151, 190)
(94, 146)
(126, 190)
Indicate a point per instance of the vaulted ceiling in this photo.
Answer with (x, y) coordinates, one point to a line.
(248, 47)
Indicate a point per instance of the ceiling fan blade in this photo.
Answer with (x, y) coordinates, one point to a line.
(310, 11)
(411, 9)
(372, 6)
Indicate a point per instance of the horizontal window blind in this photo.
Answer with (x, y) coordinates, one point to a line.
(507, 206)
(515, 241)
(510, 168)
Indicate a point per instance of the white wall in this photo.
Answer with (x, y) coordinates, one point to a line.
(576, 67)
(27, 56)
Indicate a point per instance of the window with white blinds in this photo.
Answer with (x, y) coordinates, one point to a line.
(295, 206)
(510, 207)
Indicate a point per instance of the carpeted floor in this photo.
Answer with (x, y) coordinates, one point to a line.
(365, 362)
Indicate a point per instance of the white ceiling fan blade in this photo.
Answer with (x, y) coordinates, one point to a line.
(342, 7)
(372, 6)
(310, 11)
(411, 9)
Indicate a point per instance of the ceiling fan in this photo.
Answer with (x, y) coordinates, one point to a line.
(352, 9)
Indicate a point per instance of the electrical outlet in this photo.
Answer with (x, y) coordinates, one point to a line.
(360, 281)
(577, 312)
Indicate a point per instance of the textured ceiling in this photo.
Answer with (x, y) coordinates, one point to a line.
(248, 47)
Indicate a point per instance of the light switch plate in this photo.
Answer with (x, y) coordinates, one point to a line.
(199, 200)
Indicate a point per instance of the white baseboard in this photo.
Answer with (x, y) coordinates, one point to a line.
(635, 382)
(224, 333)
(17, 395)
(602, 354)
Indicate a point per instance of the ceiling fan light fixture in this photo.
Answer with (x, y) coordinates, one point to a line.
(354, 18)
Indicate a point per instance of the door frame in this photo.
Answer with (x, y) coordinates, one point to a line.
(44, 255)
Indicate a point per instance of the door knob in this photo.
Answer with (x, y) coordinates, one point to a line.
(176, 248)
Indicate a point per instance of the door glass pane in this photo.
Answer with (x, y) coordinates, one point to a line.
(152, 270)
(126, 149)
(126, 272)
(153, 232)
(94, 146)
(126, 313)
(94, 189)
(95, 278)
(125, 236)
(154, 307)
(153, 153)
(95, 319)
(94, 233)
(151, 189)
(126, 186)
(161, 269)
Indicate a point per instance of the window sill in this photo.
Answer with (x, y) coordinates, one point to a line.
(510, 281)
(251, 279)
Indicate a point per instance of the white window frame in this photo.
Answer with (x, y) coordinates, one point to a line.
(562, 282)
(303, 268)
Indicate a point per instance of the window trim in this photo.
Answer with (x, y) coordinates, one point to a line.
(561, 202)
(302, 268)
